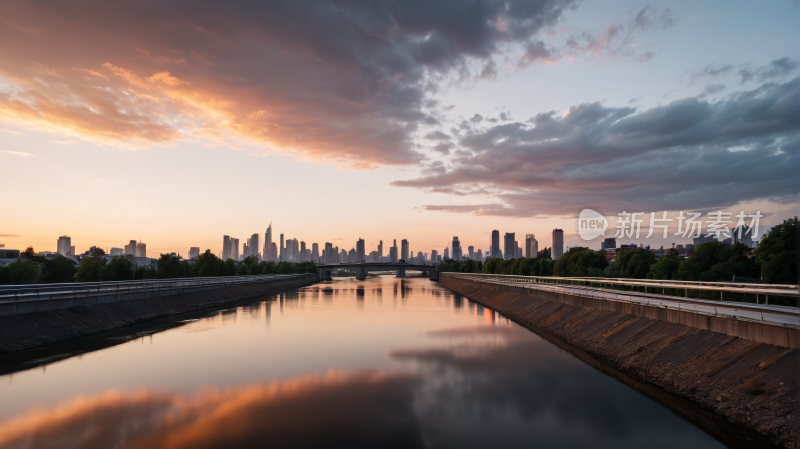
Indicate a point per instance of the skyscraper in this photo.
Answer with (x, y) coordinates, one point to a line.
(393, 253)
(434, 255)
(360, 251)
(226, 247)
(480, 255)
(141, 250)
(64, 246)
(404, 250)
(471, 252)
(281, 250)
(446, 253)
(529, 245)
(456, 249)
(268, 243)
(234, 254)
(131, 248)
(303, 255)
(496, 252)
(508, 250)
(254, 244)
(194, 252)
(608, 243)
(116, 252)
(380, 251)
(328, 253)
(558, 244)
(315, 252)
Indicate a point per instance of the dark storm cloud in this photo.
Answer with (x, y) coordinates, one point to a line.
(688, 154)
(329, 80)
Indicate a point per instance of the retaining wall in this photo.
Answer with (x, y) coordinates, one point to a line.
(34, 329)
(716, 371)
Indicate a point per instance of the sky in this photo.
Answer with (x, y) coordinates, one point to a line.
(176, 123)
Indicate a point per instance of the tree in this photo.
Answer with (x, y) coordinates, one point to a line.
(144, 273)
(92, 269)
(28, 253)
(579, 261)
(24, 272)
(634, 263)
(544, 254)
(715, 261)
(778, 252)
(666, 268)
(121, 267)
(229, 268)
(168, 266)
(242, 269)
(207, 265)
(96, 252)
(59, 269)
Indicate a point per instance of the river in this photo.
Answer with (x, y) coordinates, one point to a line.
(380, 363)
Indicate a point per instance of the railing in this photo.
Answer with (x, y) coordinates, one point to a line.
(13, 293)
(772, 314)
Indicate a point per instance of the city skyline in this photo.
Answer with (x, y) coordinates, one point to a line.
(443, 172)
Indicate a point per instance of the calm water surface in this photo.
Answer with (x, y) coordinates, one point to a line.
(378, 363)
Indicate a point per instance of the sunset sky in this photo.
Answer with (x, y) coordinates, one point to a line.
(179, 122)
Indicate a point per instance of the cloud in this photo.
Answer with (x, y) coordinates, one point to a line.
(10, 131)
(328, 81)
(777, 69)
(9, 235)
(689, 154)
(712, 89)
(18, 153)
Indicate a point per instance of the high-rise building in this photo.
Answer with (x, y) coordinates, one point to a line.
(496, 252)
(226, 247)
(194, 252)
(268, 243)
(295, 250)
(360, 251)
(141, 250)
(404, 250)
(351, 255)
(434, 255)
(328, 254)
(393, 253)
(116, 252)
(558, 244)
(281, 250)
(446, 253)
(254, 245)
(234, 249)
(456, 249)
(480, 255)
(530, 251)
(315, 252)
(471, 251)
(64, 246)
(508, 250)
(72, 250)
(740, 234)
(303, 256)
(608, 243)
(380, 251)
(131, 248)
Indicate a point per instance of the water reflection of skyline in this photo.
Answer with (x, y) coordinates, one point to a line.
(444, 375)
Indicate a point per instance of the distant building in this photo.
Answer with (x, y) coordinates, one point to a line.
(116, 252)
(740, 235)
(141, 249)
(131, 248)
(64, 246)
(434, 255)
(530, 251)
(72, 250)
(456, 249)
(446, 253)
(697, 241)
(234, 249)
(194, 252)
(267, 252)
(508, 250)
(495, 248)
(315, 252)
(360, 251)
(226, 247)
(608, 243)
(471, 252)
(480, 255)
(404, 249)
(558, 244)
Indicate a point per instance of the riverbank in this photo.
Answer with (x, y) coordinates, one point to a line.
(35, 329)
(752, 386)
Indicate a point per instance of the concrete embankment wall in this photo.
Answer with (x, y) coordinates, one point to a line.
(718, 372)
(30, 330)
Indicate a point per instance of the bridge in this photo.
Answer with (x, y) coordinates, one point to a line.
(361, 269)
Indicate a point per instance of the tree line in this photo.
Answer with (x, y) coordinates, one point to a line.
(775, 262)
(32, 269)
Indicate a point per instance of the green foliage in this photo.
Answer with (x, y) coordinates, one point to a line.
(96, 252)
(270, 267)
(249, 259)
(242, 269)
(542, 267)
(461, 266)
(578, 261)
(168, 266)
(633, 263)
(144, 273)
(229, 268)
(92, 269)
(544, 254)
(665, 269)
(715, 261)
(23, 272)
(777, 253)
(207, 265)
(121, 267)
(59, 269)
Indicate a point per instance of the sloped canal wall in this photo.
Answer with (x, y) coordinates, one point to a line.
(35, 329)
(750, 385)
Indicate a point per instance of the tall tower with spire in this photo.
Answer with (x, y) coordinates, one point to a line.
(268, 243)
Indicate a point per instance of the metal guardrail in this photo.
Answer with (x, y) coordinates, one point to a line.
(763, 313)
(34, 292)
